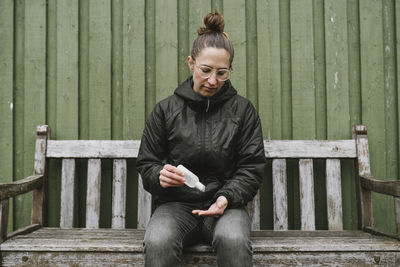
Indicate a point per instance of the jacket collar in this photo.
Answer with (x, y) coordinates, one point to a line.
(199, 102)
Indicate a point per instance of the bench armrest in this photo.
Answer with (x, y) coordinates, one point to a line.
(381, 186)
(9, 190)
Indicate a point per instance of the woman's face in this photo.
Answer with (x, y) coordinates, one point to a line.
(212, 62)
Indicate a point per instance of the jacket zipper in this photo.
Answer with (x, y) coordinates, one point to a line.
(203, 133)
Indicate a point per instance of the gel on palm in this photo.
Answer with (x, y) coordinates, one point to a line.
(191, 179)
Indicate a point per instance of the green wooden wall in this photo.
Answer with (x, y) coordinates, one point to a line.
(94, 69)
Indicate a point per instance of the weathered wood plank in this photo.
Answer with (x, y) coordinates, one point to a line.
(166, 37)
(67, 193)
(310, 149)
(303, 71)
(40, 168)
(269, 67)
(119, 194)
(397, 214)
(144, 206)
(92, 149)
(253, 209)
(381, 186)
(20, 187)
(363, 167)
(235, 26)
(4, 207)
(280, 202)
(334, 194)
(28, 259)
(307, 207)
(130, 240)
(134, 51)
(7, 85)
(93, 193)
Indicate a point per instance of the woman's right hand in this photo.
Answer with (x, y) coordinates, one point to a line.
(171, 176)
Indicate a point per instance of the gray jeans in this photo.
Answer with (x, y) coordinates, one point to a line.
(173, 227)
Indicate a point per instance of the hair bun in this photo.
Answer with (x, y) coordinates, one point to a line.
(213, 23)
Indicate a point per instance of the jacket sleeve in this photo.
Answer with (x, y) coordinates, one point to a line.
(153, 151)
(251, 162)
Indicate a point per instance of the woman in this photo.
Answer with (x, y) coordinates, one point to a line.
(215, 133)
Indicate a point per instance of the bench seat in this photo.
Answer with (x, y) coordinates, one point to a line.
(56, 246)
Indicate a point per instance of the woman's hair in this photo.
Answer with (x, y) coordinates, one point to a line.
(212, 35)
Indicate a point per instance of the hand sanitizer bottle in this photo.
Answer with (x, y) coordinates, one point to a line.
(191, 179)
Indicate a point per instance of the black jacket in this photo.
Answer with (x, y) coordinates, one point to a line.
(219, 139)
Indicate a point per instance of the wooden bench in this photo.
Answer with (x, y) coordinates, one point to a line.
(37, 245)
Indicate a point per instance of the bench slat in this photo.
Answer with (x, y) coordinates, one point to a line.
(334, 194)
(307, 207)
(92, 148)
(144, 205)
(67, 193)
(4, 208)
(253, 208)
(310, 149)
(279, 194)
(119, 194)
(93, 193)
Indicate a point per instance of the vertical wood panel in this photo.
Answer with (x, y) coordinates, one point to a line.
(235, 26)
(307, 209)
(150, 55)
(334, 194)
(319, 79)
(184, 44)
(67, 69)
(117, 24)
(303, 85)
(375, 104)
(133, 69)
(19, 100)
(251, 52)
(279, 182)
(119, 194)
(67, 193)
(269, 68)
(99, 69)
(7, 94)
(166, 48)
(144, 206)
(33, 86)
(93, 193)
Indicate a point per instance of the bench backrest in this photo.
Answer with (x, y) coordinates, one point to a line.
(276, 150)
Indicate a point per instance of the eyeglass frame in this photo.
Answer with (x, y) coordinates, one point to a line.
(228, 70)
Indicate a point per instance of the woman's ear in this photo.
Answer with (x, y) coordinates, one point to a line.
(190, 63)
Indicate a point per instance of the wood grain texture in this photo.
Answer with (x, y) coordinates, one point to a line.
(4, 210)
(365, 209)
(334, 194)
(280, 200)
(253, 208)
(307, 205)
(93, 193)
(58, 246)
(119, 194)
(310, 149)
(144, 206)
(67, 193)
(7, 42)
(93, 148)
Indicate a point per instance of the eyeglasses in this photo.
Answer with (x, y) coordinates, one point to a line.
(206, 72)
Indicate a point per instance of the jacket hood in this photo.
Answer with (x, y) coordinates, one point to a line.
(199, 102)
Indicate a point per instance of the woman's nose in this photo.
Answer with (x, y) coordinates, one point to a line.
(212, 79)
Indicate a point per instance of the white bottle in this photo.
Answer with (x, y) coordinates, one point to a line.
(191, 179)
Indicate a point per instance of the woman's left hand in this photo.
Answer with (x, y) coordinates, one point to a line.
(215, 210)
